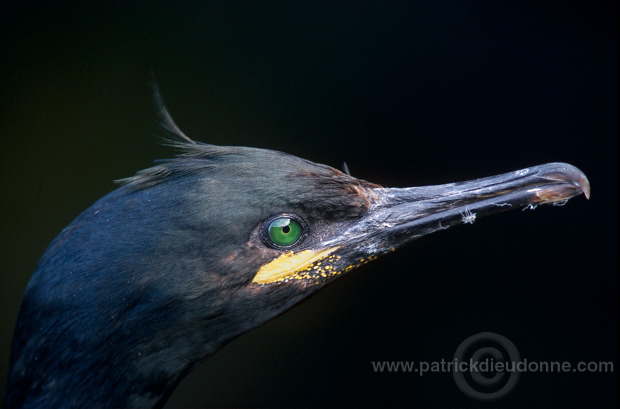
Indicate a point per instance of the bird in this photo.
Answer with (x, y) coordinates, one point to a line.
(186, 255)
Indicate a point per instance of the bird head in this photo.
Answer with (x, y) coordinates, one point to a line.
(186, 255)
(267, 228)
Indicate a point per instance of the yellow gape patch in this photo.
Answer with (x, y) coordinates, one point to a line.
(305, 264)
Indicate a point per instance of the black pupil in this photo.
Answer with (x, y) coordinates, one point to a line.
(286, 229)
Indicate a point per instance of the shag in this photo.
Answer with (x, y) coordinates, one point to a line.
(162, 272)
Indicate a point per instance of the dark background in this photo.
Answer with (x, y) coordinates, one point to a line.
(407, 93)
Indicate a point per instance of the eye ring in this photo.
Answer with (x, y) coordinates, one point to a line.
(284, 231)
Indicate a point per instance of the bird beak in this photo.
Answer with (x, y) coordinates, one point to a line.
(397, 216)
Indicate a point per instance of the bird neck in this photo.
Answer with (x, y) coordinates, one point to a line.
(62, 358)
(131, 358)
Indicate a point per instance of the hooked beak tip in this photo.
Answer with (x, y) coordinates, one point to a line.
(584, 184)
(567, 174)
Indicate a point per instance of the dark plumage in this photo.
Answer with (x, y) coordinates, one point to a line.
(160, 273)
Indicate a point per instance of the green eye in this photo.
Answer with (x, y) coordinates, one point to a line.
(284, 231)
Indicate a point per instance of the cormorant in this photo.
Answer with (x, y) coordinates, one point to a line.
(186, 255)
